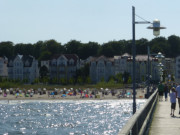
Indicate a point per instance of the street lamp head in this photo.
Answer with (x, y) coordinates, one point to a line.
(160, 65)
(159, 56)
(156, 27)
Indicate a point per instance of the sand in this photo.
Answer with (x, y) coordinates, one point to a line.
(140, 95)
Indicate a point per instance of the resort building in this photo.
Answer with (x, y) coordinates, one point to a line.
(101, 68)
(177, 67)
(169, 68)
(45, 63)
(23, 67)
(3, 67)
(63, 66)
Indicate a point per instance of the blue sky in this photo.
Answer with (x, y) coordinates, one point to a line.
(28, 21)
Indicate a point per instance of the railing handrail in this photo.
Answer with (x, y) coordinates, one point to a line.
(133, 120)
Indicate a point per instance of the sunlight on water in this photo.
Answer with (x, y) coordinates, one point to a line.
(68, 117)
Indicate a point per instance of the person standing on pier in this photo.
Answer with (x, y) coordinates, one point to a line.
(178, 95)
(165, 91)
(173, 101)
(161, 91)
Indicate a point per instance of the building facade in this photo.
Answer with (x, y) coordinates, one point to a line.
(3, 67)
(101, 68)
(23, 67)
(177, 69)
(63, 66)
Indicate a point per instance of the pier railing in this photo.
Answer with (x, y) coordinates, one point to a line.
(138, 123)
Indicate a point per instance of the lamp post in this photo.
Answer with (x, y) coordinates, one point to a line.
(156, 31)
(159, 56)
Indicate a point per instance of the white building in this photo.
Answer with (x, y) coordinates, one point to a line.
(64, 66)
(101, 68)
(23, 67)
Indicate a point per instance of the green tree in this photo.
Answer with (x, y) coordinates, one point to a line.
(72, 47)
(71, 81)
(79, 80)
(46, 55)
(89, 49)
(174, 44)
(88, 80)
(63, 81)
(119, 78)
(37, 49)
(36, 80)
(129, 80)
(43, 72)
(6, 49)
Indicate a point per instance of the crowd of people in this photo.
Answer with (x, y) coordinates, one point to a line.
(174, 93)
(56, 93)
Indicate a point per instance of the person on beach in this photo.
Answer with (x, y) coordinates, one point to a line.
(178, 95)
(161, 91)
(173, 101)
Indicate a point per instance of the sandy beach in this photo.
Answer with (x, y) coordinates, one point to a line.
(99, 96)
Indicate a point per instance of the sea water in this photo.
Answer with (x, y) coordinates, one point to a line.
(79, 117)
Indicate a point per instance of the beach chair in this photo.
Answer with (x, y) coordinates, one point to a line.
(63, 95)
(5, 95)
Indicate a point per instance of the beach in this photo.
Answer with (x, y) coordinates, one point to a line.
(119, 94)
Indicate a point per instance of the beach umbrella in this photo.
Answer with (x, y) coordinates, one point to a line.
(7, 90)
(129, 93)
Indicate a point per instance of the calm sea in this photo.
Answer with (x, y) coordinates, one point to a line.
(80, 117)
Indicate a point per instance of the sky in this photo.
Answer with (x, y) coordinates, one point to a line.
(29, 21)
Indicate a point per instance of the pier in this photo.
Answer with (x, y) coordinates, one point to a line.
(154, 119)
(162, 122)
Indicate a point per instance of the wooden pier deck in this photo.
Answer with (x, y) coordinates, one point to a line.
(163, 123)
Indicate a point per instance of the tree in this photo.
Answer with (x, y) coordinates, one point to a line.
(71, 81)
(119, 78)
(53, 47)
(111, 81)
(88, 80)
(107, 50)
(63, 81)
(6, 49)
(89, 49)
(43, 72)
(45, 79)
(24, 49)
(141, 46)
(79, 80)
(126, 76)
(46, 55)
(129, 80)
(37, 49)
(174, 43)
(72, 47)
(36, 80)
